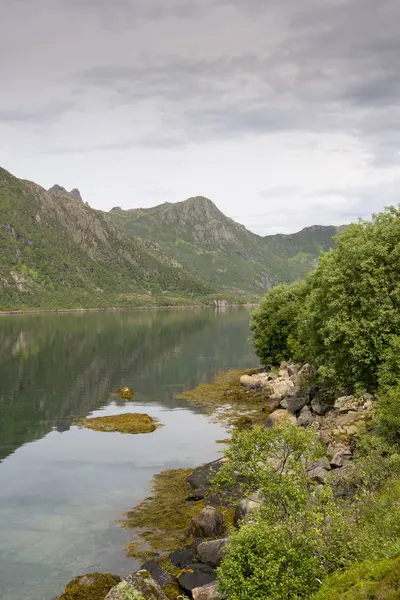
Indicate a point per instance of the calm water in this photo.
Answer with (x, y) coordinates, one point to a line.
(61, 487)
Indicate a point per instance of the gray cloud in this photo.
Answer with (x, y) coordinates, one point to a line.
(176, 86)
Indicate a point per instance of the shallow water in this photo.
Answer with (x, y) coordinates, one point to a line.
(62, 488)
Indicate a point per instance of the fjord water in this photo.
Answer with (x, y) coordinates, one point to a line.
(62, 488)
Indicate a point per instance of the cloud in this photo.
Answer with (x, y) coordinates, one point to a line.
(230, 96)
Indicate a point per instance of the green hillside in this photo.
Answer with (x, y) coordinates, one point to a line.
(55, 251)
(223, 252)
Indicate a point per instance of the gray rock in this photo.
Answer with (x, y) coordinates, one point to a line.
(212, 553)
(160, 575)
(209, 523)
(305, 417)
(340, 459)
(352, 403)
(181, 558)
(319, 475)
(140, 582)
(207, 592)
(246, 507)
(197, 575)
(320, 406)
(324, 463)
(294, 404)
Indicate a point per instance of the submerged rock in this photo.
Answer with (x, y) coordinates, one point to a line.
(127, 423)
(124, 392)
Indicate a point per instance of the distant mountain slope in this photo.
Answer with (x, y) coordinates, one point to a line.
(223, 252)
(57, 251)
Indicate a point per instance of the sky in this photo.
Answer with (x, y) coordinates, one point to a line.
(285, 113)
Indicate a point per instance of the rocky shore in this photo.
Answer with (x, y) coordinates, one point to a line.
(283, 395)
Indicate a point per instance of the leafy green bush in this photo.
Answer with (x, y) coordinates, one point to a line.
(274, 323)
(388, 420)
(267, 561)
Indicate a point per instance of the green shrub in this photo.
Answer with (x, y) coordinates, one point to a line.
(267, 561)
(274, 323)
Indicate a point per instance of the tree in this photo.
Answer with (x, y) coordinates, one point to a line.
(274, 322)
(352, 306)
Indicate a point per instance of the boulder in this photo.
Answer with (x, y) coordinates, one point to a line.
(200, 478)
(340, 459)
(196, 575)
(212, 553)
(305, 374)
(279, 417)
(320, 406)
(181, 558)
(141, 582)
(246, 507)
(324, 463)
(160, 575)
(209, 523)
(319, 475)
(207, 592)
(305, 418)
(352, 403)
(294, 404)
(282, 387)
(254, 382)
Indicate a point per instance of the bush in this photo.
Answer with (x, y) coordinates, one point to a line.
(274, 323)
(388, 421)
(267, 561)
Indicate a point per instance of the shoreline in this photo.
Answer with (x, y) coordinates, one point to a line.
(34, 311)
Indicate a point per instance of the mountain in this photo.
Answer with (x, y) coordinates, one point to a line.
(223, 252)
(55, 251)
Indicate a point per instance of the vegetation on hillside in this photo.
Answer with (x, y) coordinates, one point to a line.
(56, 252)
(342, 540)
(223, 252)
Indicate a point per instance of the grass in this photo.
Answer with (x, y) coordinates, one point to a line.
(126, 423)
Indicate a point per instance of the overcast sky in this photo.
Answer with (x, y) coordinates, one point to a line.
(285, 113)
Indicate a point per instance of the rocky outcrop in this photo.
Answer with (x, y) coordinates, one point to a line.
(209, 523)
(279, 417)
(59, 192)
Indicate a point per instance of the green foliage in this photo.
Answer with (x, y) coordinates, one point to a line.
(372, 580)
(352, 309)
(272, 462)
(268, 561)
(274, 323)
(300, 528)
(388, 421)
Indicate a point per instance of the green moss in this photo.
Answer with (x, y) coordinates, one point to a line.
(226, 391)
(127, 423)
(373, 580)
(163, 519)
(94, 586)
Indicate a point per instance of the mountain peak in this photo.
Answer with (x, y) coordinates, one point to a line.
(60, 192)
